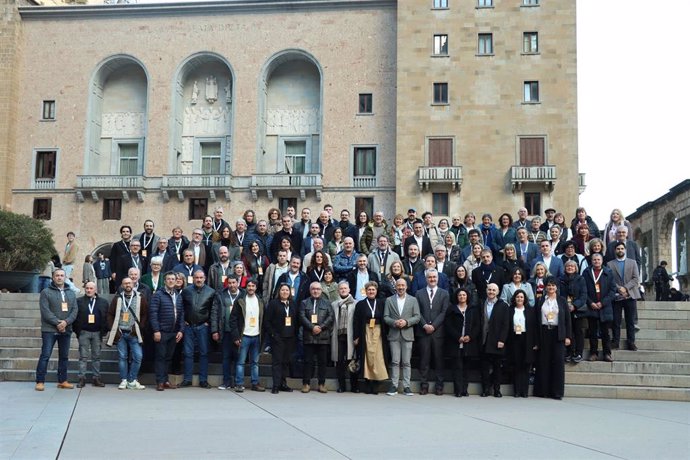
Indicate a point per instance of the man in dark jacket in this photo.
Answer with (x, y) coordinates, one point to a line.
(167, 319)
(601, 290)
(661, 280)
(495, 321)
(316, 319)
(246, 322)
(223, 304)
(90, 327)
(58, 306)
(197, 301)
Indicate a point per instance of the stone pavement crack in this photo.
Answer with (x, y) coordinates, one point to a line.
(69, 422)
(294, 427)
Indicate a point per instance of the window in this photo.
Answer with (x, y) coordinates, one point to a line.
(112, 208)
(485, 44)
(129, 159)
(364, 203)
(440, 204)
(42, 208)
(48, 110)
(295, 157)
(210, 157)
(485, 3)
(531, 91)
(284, 203)
(198, 208)
(365, 103)
(364, 161)
(530, 42)
(440, 93)
(532, 151)
(440, 45)
(440, 3)
(533, 203)
(440, 152)
(530, 2)
(45, 165)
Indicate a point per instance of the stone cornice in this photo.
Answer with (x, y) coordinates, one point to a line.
(194, 8)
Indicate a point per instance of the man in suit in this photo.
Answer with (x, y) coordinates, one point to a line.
(433, 303)
(380, 259)
(169, 259)
(356, 279)
(419, 280)
(627, 279)
(631, 249)
(443, 265)
(148, 239)
(495, 322)
(420, 239)
(553, 263)
(199, 250)
(401, 314)
(526, 250)
(132, 259)
(487, 272)
(118, 250)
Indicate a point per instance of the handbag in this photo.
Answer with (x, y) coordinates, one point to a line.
(354, 365)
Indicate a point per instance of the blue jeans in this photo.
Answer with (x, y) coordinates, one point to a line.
(196, 336)
(129, 343)
(229, 357)
(252, 346)
(49, 339)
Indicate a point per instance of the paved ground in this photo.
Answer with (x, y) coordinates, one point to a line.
(195, 423)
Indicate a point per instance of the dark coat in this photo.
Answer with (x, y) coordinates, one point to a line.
(499, 323)
(325, 318)
(274, 320)
(433, 313)
(360, 324)
(498, 276)
(565, 329)
(607, 292)
(575, 288)
(100, 311)
(220, 303)
(453, 323)
(424, 250)
(531, 338)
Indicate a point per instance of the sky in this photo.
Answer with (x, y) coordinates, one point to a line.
(633, 98)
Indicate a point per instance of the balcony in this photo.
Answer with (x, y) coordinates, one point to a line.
(179, 184)
(520, 175)
(428, 175)
(44, 184)
(94, 185)
(581, 183)
(272, 182)
(364, 181)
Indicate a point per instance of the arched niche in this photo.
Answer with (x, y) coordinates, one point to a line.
(665, 239)
(202, 116)
(117, 118)
(290, 115)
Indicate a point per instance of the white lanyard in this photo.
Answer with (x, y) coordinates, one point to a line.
(373, 309)
(144, 243)
(287, 309)
(596, 277)
(314, 309)
(125, 303)
(92, 304)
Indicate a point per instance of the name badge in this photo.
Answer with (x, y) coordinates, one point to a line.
(372, 323)
(178, 256)
(363, 291)
(223, 278)
(261, 271)
(288, 321)
(64, 306)
(314, 318)
(550, 316)
(190, 280)
(252, 321)
(597, 288)
(539, 295)
(92, 319)
(570, 300)
(292, 292)
(518, 329)
(125, 316)
(143, 252)
(382, 269)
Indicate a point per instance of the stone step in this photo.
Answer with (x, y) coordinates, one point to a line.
(657, 356)
(667, 324)
(666, 345)
(627, 392)
(648, 305)
(623, 367)
(20, 322)
(647, 334)
(663, 314)
(17, 297)
(6, 312)
(645, 380)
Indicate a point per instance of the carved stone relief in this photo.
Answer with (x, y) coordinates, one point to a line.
(123, 124)
(211, 89)
(187, 157)
(292, 121)
(205, 121)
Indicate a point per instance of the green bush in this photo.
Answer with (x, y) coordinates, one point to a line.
(26, 244)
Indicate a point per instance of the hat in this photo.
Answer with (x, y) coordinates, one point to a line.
(412, 210)
(549, 210)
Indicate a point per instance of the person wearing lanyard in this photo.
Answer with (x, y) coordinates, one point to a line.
(430, 333)
(494, 329)
(368, 336)
(342, 347)
(554, 319)
(58, 311)
(380, 259)
(486, 273)
(523, 340)
(601, 290)
(197, 301)
(401, 314)
(90, 327)
(281, 326)
(187, 267)
(223, 304)
(167, 321)
(358, 278)
(316, 319)
(246, 322)
(126, 314)
(462, 330)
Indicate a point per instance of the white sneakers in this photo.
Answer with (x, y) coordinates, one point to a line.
(122, 385)
(135, 385)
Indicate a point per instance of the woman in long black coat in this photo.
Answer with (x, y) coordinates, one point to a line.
(574, 290)
(462, 334)
(523, 342)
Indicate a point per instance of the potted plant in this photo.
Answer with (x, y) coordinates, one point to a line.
(26, 246)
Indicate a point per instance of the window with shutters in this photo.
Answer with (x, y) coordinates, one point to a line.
(440, 204)
(440, 152)
(42, 208)
(364, 203)
(533, 203)
(112, 208)
(45, 164)
(532, 151)
(198, 208)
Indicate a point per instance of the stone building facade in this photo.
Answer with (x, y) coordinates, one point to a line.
(165, 111)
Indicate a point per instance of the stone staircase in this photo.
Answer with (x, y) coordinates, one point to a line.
(659, 370)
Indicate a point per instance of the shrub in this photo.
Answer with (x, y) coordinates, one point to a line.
(26, 244)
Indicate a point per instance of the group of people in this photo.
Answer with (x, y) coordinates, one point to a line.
(523, 295)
